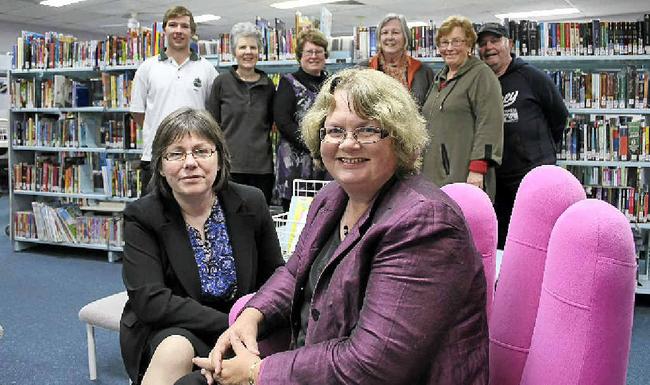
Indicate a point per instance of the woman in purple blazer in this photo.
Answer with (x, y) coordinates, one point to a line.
(385, 285)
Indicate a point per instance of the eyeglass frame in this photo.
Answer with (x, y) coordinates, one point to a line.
(451, 43)
(313, 53)
(184, 154)
(383, 134)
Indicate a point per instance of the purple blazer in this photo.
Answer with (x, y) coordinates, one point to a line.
(405, 296)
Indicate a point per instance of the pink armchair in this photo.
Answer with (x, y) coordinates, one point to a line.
(544, 194)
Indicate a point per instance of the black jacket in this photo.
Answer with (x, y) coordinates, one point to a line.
(534, 118)
(161, 275)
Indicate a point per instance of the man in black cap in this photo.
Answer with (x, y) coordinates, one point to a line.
(534, 118)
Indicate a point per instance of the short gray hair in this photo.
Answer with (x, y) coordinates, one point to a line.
(244, 29)
(187, 121)
(402, 23)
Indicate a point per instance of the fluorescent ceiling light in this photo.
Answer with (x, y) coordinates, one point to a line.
(412, 24)
(301, 3)
(59, 3)
(542, 13)
(205, 18)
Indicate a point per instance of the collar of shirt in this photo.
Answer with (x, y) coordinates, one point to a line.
(193, 56)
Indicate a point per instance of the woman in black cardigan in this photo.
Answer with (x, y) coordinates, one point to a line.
(296, 93)
(192, 247)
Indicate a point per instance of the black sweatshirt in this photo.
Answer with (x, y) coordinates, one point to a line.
(534, 119)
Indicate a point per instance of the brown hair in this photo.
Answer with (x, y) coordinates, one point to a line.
(179, 11)
(187, 121)
(457, 21)
(313, 36)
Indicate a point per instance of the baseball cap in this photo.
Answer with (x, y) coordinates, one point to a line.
(494, 28)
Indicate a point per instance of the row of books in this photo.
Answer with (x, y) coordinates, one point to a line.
(531, 38)
(631, 202)
(597, 37)
(56, 50)
(611, 177)
(79, 174)
(77, 130)
(66, 224)
(614, 139)
(627, 88)
(278, 42)
(49, 174)
(121, 178)
(626, 188)
(423, 42)
(111, 90)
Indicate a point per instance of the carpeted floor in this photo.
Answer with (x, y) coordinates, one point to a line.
(42, 290)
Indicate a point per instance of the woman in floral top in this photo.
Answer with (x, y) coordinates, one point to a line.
(192, 248)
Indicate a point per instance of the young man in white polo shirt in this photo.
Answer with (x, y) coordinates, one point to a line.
(176, 78)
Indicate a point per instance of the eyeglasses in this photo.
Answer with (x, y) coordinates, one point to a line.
(313, 52)
(197, 153)
(362, 135)
(454, 43)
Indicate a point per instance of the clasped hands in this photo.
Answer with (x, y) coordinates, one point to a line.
(241, 339)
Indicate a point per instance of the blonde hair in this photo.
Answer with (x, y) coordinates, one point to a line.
(457, 21)
(374, 96)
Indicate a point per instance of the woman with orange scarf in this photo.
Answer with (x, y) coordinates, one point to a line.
(392, 57)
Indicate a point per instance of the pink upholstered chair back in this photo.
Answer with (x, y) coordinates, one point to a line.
(544, 194)
(482, 221)
(238, 307)
(584, 323)
(276, 342)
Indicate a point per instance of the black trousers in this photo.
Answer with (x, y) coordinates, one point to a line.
(263, 182)
(504, 200)
(145, 176)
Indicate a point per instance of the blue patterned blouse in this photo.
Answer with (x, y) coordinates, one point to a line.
(214, 256)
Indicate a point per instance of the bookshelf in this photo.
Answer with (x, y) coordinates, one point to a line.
(72, 145)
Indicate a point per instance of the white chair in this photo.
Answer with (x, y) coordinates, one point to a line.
(105, 313)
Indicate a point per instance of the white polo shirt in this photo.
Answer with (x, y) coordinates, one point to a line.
(161, 86)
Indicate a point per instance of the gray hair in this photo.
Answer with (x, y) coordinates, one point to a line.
(403, 24)
(244, 29)
(187, 121)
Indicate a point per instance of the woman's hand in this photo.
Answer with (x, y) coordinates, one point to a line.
(237, 370)
(475, 179)
(244, 329)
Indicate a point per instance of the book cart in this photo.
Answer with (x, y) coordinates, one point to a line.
(289, 225)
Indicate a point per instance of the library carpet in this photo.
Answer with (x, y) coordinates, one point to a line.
(42, 290)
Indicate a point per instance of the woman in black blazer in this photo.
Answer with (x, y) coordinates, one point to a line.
(193, 246)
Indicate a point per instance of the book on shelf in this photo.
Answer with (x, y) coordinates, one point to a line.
(56, 50)
(626, 188)
(625, 88)
(597, 37)
(622, 138)
(65, 223)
